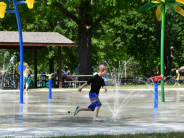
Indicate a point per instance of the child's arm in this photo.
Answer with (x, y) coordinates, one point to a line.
(84, 85)
(105, 88)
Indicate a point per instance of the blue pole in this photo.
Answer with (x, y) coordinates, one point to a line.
(10, 11)
(155, 94)
(8, 4)
(21, 50)
(50, 87)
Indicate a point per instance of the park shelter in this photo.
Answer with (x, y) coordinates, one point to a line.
(36, 40)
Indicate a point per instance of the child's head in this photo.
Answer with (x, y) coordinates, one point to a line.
(102, 69)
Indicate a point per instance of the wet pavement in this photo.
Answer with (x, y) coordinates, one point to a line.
(123, 111)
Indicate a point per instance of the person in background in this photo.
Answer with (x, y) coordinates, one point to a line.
(25, 78)
(67, 72)
(64, 76)
(177, 78)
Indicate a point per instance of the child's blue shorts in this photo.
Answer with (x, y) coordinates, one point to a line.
(95, 102)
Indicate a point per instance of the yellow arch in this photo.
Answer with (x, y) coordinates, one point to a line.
(26, 67)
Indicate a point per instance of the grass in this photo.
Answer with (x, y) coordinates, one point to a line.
(140, 135)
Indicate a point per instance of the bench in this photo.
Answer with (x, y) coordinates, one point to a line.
(75, 79)
(74, 83)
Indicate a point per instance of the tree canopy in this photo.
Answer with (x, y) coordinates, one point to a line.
(106, 32)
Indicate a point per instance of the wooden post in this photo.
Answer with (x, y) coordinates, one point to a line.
(35, 66)
(60, 65)
(18, 59)
(51, 63)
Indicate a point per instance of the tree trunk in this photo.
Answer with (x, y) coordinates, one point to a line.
(84, 50)
(167, 59)
(169, 63)
(51, 63)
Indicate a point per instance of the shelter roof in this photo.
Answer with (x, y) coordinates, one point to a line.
(10, 39)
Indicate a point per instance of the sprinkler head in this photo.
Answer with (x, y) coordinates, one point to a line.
(30, 3)
(156, 78)
(68, 111)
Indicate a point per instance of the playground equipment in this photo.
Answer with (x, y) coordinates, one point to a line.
(2, 9)
(50, 76)
(45, 79)
(25, 67)
(30, 3)
(156, 78)
(16, 11)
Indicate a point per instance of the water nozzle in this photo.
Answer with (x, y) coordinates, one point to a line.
(30, 3)
(156, 78)
(2, 9)
(51, 75)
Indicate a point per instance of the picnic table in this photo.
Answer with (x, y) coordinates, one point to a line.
(76, 79)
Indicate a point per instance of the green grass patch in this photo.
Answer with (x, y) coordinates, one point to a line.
(140, 135)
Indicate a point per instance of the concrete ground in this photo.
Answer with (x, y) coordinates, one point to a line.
(132, 109)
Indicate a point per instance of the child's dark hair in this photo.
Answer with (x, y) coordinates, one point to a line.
(102, 67)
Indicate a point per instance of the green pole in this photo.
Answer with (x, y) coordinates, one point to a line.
(162, 53)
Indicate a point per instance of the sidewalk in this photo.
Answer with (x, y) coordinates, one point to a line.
(42, 117)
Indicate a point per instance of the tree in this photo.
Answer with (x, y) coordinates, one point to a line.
(87, 14)
(44, 22)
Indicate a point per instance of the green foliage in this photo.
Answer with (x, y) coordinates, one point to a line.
(149, 6)
(123, 34)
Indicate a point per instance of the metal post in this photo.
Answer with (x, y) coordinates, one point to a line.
(155, 94)
(50, 88)
(21, 50)
(60, 67)
(35, 67)
(162, 53)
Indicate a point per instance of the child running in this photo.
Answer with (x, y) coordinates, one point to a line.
(96, 82)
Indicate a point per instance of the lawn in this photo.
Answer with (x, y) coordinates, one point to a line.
(141, 135)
